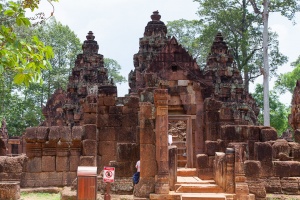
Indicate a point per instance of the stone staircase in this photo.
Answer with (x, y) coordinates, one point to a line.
(190, 187)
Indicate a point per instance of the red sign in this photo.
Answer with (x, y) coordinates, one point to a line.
(109, 174)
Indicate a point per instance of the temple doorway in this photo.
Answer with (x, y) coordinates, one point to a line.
(180, 130)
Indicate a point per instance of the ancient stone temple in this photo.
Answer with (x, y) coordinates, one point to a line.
(177, 119)
(294, 118)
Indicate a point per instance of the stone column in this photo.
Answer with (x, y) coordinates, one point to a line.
(173, 166)
(161, 132)
(146, 184)
(230, 184)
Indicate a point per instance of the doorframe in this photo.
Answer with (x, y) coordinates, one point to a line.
(189, 135)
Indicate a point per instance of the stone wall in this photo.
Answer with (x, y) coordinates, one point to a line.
(11, 168)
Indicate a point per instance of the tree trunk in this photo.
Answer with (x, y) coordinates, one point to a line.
(266, 64)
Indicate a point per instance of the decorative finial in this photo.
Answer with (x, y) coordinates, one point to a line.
(90, 36)
(156, 16)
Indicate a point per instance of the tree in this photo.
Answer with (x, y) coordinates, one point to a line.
(113, 68)
(287, 81)
(242, 30)
(279, 112)
(286, 8)
(24, 59)
(66, 45)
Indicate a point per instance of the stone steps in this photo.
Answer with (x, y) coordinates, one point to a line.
(199, 188)
(190, 187)
(187, 172)
(206, 196)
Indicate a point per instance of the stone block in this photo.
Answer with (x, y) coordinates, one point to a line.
(62, 164)
(103, 110)
(9, 190)
(130, 120)
(228, 133)
(109, 100)
(13, 164)
(126, 134)
(34, 150)
(295, 168)
(68, 178)
(263, 151)
(51, 179)
(252, 168)
(102, 120)
(87, 161)
(54, 134)
(114, 120)
(30, 135)
(253, 133)
(107, 148)
(91, 132)
(290, 185)
(131, 102)
(127, 151)
(48, 163)
(258, 188)
(63, 149)
(267, 134)
(272, 184)
(241, 188)
(251, 144)
(115, 110)
(74, 163)
(89, 147)
(211, 147)
(89, 107)
(49, 148)
(295, 150)
(280, 146)
(282, 168)
(89, 118)
(65, 134)
(34, 165)
(107, 133)
(42, 134)
(201, 161)
(77, 133)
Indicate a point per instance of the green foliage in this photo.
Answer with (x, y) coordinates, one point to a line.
(26, 59)
(240, 26)
(113, 68)
(278, 111)
(287, 81)
(66, 45)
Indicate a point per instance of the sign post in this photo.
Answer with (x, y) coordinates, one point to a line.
(108, 177)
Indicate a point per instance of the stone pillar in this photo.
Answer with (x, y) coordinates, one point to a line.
(161, 131)
(173, 166)
(146, 184)
(241, 187)
(230, 183)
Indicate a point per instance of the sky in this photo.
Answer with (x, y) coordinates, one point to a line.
(118, 25)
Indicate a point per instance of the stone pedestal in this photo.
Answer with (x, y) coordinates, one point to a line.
(9, 190)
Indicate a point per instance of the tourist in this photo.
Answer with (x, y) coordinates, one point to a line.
(136, 175)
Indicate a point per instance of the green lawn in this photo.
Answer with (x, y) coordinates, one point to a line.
(40, 196)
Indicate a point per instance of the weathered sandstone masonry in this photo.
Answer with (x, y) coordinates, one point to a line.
(88, 125)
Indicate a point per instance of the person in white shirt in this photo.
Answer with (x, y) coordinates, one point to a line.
(136, 175)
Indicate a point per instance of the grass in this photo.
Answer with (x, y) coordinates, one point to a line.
(40, 196)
